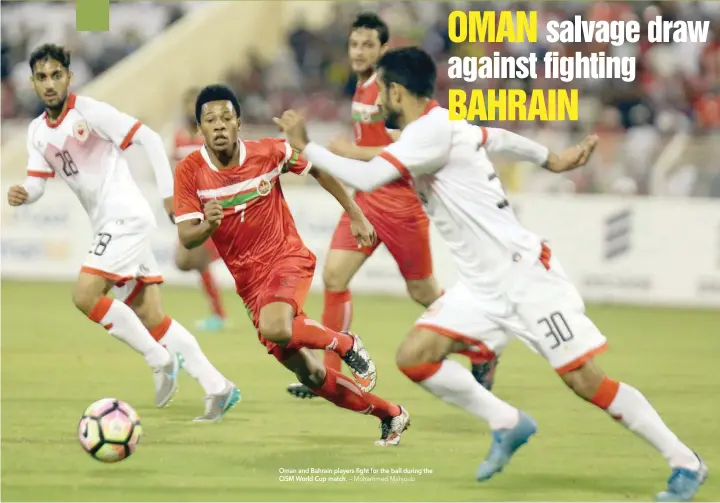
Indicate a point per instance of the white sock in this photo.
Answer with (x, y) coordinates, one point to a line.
(454, 384)
(122, 322)
(633, 410)
(178, 340)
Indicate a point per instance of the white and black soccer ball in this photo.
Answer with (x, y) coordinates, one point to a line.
(109, 430)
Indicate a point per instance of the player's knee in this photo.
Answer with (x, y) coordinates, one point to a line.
(335, 279)
(424, 292)
(275, 329)
(85, 300)
(585, 380)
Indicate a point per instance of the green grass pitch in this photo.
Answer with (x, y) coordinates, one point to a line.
(55, 363)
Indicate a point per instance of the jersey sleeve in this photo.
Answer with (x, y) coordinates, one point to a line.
(118, 126)
(37, 166)
(186, 202)
(290, 160)
(422, 148)
(502, 141)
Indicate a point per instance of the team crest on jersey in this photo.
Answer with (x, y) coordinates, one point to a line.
(81, 131)
(264, 187)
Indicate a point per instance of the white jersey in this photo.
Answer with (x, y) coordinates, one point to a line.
(510, 284)
(84, 148)
(450, 169)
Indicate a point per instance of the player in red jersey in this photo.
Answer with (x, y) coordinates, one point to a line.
(229, 191)
(394, 209)
(187, 140)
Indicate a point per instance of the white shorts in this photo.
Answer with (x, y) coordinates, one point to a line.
(121, 251)
(539, 306)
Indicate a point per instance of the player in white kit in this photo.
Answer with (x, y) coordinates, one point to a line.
(509, 283)
(81, 141)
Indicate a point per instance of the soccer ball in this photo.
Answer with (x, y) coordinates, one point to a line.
(109, 430)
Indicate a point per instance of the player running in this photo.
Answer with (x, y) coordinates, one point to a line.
(187, 140)
(509, 284)
(230, 191)
(81, 141)
(393, 209)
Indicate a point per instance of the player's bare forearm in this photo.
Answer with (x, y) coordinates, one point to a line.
(194, 233)
(496, 140)
(338, 191)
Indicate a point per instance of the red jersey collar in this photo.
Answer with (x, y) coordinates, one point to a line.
(69, 105)
(431, 104)
(369, 81)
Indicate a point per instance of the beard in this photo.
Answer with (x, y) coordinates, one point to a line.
(392, 120)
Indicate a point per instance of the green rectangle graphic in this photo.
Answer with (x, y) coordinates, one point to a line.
(92, 15)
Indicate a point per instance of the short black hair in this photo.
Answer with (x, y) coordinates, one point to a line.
(371, 21)
(50, 51)
(215, 92)
(412, 68)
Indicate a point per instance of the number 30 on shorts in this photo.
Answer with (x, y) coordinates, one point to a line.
(557, 329)
(102, 240)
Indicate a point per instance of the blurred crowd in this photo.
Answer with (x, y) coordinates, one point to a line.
(672, 106)
(26, 25)
(676, 90)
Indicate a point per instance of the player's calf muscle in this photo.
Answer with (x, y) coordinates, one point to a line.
(88, 291)
(585, 381)
(423, 346)
(148, 306)
(309, 370)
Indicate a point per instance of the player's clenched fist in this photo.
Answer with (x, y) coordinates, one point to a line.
(293, 125)
(213, 213)
(17, 195)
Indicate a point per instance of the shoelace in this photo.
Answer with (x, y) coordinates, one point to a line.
(385, 428)
(354, 361)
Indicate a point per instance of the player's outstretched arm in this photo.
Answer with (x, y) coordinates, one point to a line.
(154, 148)
(365, 176)
(345, 148)
(497, 140)
(124, 130)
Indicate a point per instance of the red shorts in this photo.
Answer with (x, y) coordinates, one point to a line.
(406, 235)
(289, 282)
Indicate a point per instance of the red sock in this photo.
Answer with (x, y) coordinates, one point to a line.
(211, 290)
(337, 315)
(307, 333)
(343, 392)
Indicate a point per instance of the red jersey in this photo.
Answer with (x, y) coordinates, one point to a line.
(185, 144)
(370, 131)
(257, 230)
